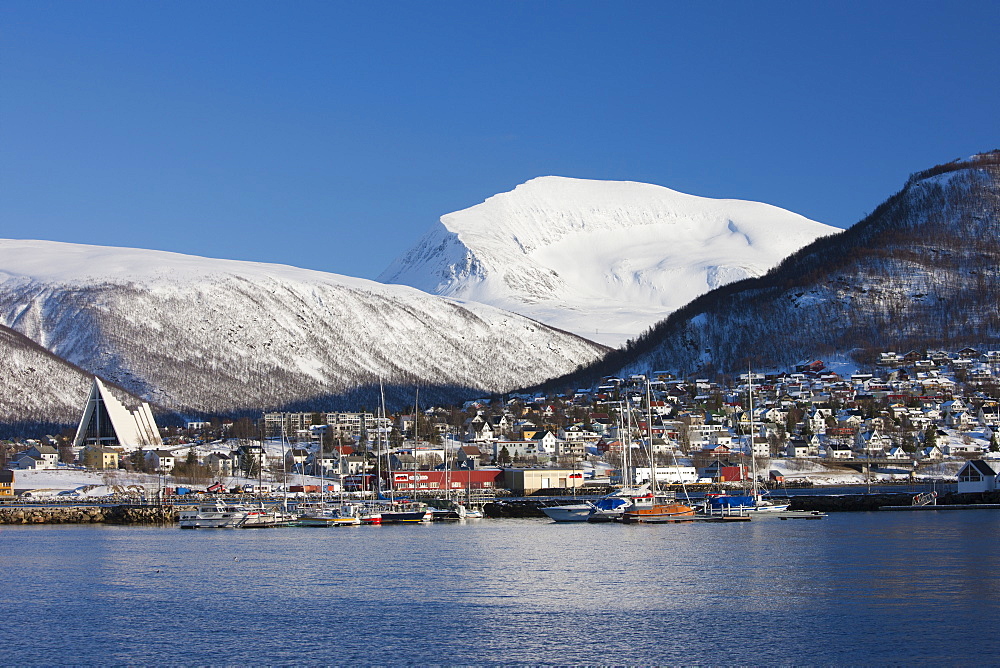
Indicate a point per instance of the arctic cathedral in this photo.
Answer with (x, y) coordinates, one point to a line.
(107, 422)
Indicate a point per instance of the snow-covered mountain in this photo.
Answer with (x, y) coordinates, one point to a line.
(200, 335)
(603, 259)
(41, 391)
(921, 272)
(37, 387)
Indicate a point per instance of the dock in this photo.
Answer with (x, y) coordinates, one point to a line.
(952, 506)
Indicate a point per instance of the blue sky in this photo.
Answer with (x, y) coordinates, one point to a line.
(331, 135)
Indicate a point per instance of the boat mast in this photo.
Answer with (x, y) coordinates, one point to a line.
(754, 490)
(383, 439)
(649, 434)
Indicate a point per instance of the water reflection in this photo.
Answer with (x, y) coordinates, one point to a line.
(860, 587)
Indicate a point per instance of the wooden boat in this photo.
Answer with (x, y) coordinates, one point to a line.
(657, 508)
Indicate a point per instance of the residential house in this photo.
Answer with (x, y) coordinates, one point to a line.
(871, 443)
(516, 450)
(839, 450)
(797, 448)
(249, 457)
(295, 459)
(100, 458)
(469, 457)
(220, 463)
(931, 452)
(6, 483)
(479, 430)
(978, 476)
(160, 460)
(46, 453)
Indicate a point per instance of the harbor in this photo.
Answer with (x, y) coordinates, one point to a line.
(646, 594)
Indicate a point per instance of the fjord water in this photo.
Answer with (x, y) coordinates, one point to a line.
(872, 588)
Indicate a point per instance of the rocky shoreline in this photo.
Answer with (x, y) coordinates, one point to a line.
(150, 515)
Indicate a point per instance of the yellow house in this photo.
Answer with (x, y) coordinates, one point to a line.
(100, 458)
(6, 483)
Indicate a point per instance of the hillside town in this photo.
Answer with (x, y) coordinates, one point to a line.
(922, 413)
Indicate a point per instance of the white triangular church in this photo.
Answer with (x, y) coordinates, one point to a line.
(108, 422)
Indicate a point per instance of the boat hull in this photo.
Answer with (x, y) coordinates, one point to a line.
(660, 513)
(578, 512)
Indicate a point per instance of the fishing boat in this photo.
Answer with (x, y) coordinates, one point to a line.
(370, 515)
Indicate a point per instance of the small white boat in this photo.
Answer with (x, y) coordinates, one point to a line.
(218, 515)
(575, 512)
(221, 515)
(329, 516)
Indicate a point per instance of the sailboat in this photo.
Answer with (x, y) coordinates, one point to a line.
(655, 507)
(754, 501)
(402, 511)
(610, 508)
(325, 515)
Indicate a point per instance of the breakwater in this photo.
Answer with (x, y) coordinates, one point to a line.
(153, 515)
(864, 502)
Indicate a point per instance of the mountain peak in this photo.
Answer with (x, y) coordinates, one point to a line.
(603, 259)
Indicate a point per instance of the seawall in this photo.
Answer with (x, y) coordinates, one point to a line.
(154, 515)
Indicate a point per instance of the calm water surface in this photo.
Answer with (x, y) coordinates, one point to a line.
(856, 588)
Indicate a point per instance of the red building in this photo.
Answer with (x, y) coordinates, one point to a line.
(434, 480)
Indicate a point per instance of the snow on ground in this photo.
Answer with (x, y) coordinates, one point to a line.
(818, 473)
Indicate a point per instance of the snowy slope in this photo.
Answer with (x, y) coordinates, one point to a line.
(922, 272)
(196, 334)
(36, 386)
(603, 259)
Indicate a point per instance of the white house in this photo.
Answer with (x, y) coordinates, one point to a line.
(978, 476)
(899, 453)
(836, 450)
(220, 463)
(932, 452)
(37, 457)
(797, 448)
(160, 460)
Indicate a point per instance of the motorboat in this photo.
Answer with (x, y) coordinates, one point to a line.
(221, 515)
(608, 508)
(574, 512)
(329, 516)
(262, 517)
(218, 515)
(448, 511)
(406, 512)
